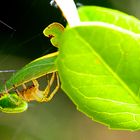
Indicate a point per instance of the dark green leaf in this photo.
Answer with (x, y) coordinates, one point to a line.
(12, 103)
(33, 70)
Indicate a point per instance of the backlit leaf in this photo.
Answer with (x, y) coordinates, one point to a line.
(99, 65)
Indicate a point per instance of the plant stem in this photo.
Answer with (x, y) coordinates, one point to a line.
(69, 11)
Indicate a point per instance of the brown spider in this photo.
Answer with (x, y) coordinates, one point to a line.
(33, 93)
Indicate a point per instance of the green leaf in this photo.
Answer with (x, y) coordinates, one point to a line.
(54, 31)
(99, 65)
(33, 70)
(101, 14)
(12, 103)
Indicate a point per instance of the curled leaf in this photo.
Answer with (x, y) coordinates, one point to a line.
(33, 70)
(53, 31)
(12, 103)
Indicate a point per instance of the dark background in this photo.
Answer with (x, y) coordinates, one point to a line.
(29, 18)
(59, 118)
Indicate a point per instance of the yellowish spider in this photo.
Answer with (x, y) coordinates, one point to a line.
(33, 93)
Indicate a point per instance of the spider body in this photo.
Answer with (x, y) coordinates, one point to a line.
(33, 92)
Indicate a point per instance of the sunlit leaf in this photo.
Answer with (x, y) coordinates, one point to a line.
(54, 31)
(99, 65)
(115, 17)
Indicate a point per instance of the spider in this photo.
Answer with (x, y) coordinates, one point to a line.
(33, 93)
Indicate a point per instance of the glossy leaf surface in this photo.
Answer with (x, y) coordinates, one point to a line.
(99, 65)
(115, 17)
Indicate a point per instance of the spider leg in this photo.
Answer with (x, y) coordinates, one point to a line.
(24, 86)
(47, 89)
(52, 79)
(11, 99)
(6, 91)
(37, 94)
(56, 88)
(36, 84)
(18, 92)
